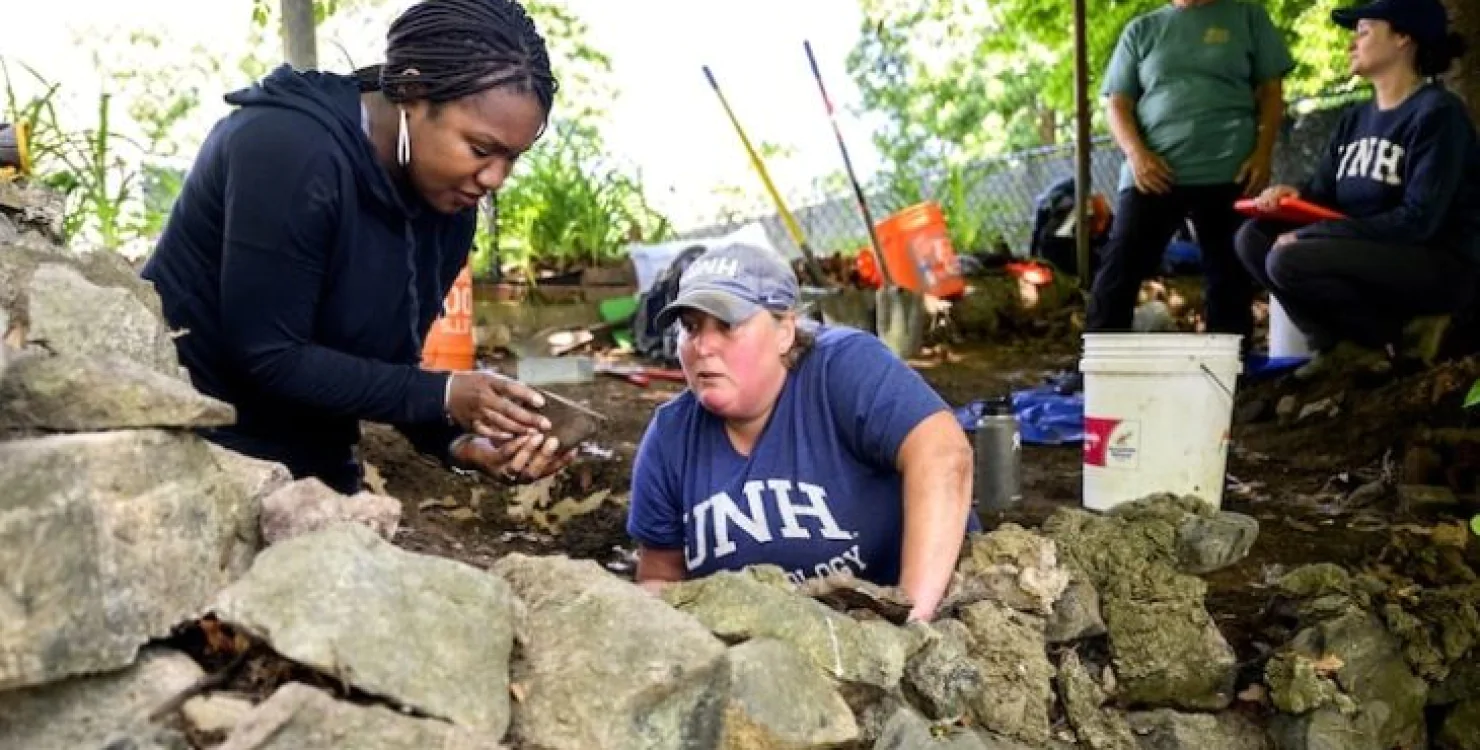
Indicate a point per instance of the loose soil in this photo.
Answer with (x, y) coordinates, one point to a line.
(1294, 478)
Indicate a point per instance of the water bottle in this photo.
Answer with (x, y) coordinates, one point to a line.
(998, 476)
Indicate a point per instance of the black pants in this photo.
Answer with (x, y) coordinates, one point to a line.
(1144, 225)
(1352, 290)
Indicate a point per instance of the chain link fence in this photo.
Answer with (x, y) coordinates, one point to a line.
(993, 202)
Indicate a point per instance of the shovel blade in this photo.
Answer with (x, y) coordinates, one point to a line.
(555, 370)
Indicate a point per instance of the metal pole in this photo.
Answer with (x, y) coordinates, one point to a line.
(1082, 186)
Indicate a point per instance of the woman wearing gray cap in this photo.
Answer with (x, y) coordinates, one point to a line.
(1404, 169)
(813, 449)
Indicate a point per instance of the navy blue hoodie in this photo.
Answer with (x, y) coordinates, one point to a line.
(1407, 176)
(305, 279)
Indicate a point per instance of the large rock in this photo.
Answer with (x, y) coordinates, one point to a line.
(1384, 700)
(309, 505)
(86, 304)
(1008, 648)
(93, 712)
(760, 603)
(941, 678)
(1098, 727)
(1207, 543)
(776, 700)
(1164, 729)
(298, 717)
(1076, 615)
(425, 632)
(109, 540)
(908, 730)
(1167, 650)
(602, 663)
(68, 393)
(1011, 565)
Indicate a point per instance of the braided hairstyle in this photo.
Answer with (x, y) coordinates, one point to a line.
(443, 50)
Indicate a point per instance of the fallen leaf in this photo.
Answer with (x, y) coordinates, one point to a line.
(1328, 665)
(1255, 693)
(1452, 535)
(463, 514)
(516, 689)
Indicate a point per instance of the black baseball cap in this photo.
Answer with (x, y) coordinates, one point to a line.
(1424, 20)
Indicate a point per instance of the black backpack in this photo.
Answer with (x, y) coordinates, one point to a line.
(661, 346)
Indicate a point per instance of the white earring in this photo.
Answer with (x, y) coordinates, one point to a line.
(403, 142)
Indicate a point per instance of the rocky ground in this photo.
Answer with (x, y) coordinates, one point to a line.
(158, 592)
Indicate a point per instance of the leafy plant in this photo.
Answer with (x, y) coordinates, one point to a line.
(567, 208)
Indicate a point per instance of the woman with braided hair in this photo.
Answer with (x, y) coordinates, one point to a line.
(321, 227)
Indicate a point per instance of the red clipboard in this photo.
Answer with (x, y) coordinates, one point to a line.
(1291, 210)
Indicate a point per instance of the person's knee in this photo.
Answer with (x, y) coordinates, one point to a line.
(1290, 267)
(1252, 244)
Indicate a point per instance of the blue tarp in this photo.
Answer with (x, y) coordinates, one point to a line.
(1046, 416)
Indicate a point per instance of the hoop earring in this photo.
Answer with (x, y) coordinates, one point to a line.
(403, 141)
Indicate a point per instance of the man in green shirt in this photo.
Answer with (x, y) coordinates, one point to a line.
(1195, 98)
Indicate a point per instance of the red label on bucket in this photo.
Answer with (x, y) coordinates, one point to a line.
(1097, 439)
(1113, 443)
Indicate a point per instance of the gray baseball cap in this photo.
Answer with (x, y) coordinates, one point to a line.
(732, 283)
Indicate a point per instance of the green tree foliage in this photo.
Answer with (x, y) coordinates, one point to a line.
(961, 79)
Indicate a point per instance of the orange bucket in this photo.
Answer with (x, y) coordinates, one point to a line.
(918, 248)
(449, 345)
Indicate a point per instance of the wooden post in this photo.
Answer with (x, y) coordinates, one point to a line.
(300, 48)
(1082, 145)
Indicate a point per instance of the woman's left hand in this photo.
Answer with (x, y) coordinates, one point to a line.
(1255, 172)
(520, 459)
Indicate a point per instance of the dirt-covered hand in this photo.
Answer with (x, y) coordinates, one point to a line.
(519, 459)
(491, 405)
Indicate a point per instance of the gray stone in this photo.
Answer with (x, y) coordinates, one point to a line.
(69, 312)
(777, 700)
(92, 712)
(1461, 730)
(309, 505)
(1209, 543)
(1164, 729)
(602, 663)
(1098, 727)
(908, 730)
(254, 477)
(1322, 729)
(299, 717)
(759, 603)
(1010, 651)
(424, 632)
(1386, 700)
(68, 393)
(941, 678)
(1076, 615)
(109, 540)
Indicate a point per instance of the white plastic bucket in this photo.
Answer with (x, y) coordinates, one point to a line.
(1285, 338)
(1157, 410)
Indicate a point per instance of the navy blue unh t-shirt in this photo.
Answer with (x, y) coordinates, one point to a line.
(819, 493)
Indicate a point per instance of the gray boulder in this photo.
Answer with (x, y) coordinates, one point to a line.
(85, 304)
(1165, 729)
(760, 603)
(109, 540)
(299, 717)
(603, 663)
(309, 505)
(69, 393)
(776, 700)
(1098, 727)
(94, 712)
(1008, 648)
(424, 632)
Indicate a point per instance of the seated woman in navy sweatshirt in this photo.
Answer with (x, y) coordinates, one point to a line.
(322, 225)
(1403, 169)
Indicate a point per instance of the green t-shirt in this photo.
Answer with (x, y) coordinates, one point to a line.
(1193, 73)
